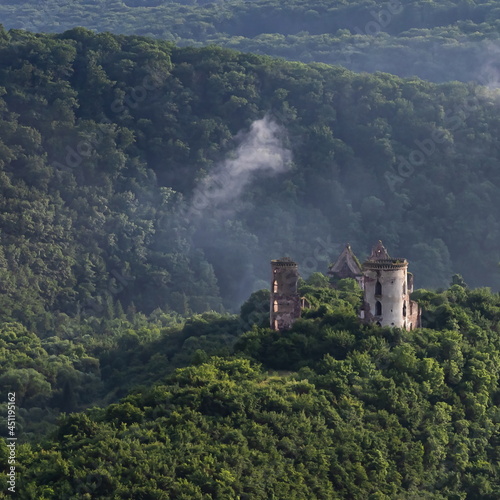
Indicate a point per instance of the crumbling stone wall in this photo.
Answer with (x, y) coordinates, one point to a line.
(285, 299)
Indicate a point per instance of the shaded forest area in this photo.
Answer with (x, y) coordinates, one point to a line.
(355, 411)
(434, 40)
(107, 143)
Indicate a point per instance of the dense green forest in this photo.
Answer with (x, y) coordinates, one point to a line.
(434, 40)
(144, 189)
(139, 176)
(330, 409)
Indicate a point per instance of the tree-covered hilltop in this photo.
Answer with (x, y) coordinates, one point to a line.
(435, 40)
(101, 361)
(356, 411)
(136, 175)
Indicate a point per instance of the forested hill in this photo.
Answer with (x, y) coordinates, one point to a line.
(355, 412)
(136, 175)
(435, 40)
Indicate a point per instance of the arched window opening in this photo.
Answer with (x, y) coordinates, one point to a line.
(404, 309)
(378, 288)
(275, 306)
(275, 286)
(378, 308)
(404, 288)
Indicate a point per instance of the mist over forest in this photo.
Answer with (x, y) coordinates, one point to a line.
(437, 41)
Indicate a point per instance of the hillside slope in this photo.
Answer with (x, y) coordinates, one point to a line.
(438, 41)
(139, 175)
(362, 412)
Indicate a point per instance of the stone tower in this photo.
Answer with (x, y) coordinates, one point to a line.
(285, 300)
(387, 289)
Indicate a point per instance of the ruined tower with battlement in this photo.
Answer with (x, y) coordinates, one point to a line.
(285, 299)
(387, 288)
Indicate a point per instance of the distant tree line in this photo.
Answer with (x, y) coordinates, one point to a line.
(437, 41)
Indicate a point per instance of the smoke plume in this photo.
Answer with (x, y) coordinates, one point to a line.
(260, 152)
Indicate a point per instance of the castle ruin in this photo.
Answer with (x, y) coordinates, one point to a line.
(387, 287)
(385, 281)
